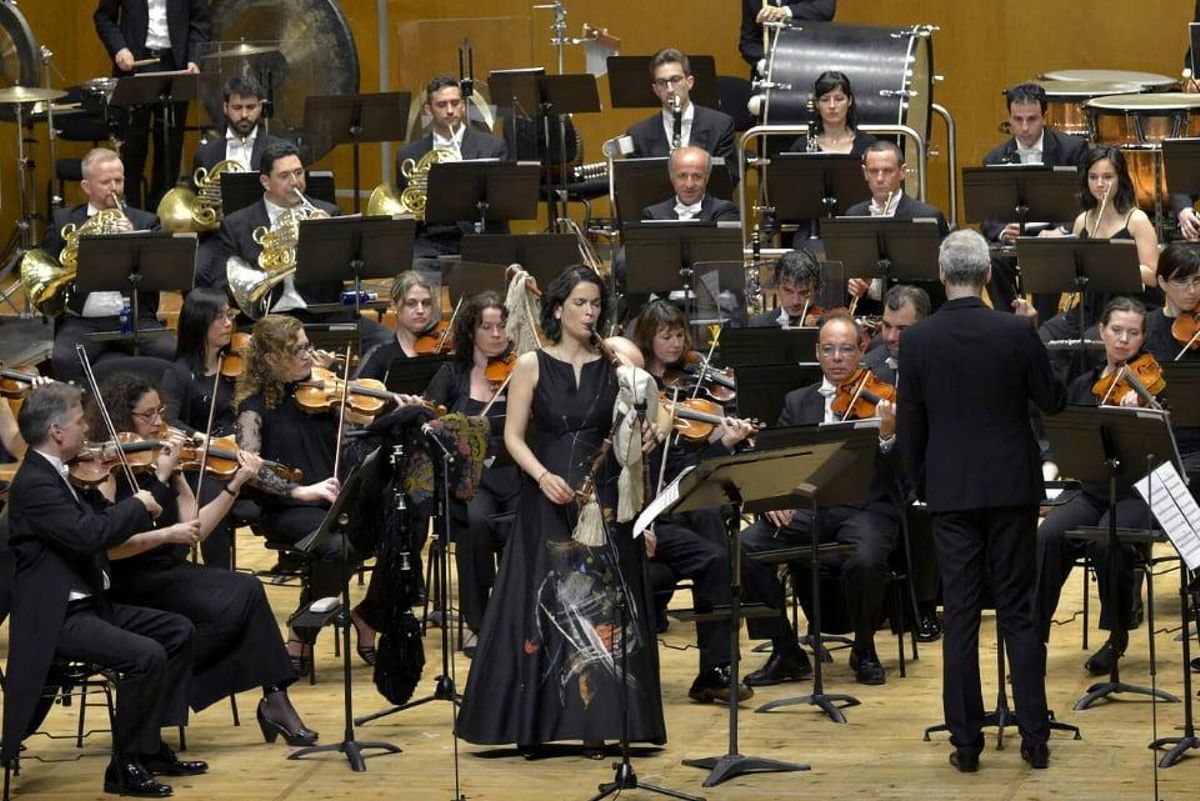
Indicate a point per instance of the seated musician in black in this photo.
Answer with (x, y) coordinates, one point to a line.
(1031, 143)
(836, 128)
(450, 129)
(461, 385)
(884, 170)
(708, 129)
(1123, 331)
(59, 536)
(689, 170)
(237, 642)
(693, 544)
(797, 281)
(89, 313)
(1179, 278)
(415, 306)
(281, 173)
(871, 527)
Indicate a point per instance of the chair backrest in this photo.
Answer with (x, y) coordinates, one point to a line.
(149, 367)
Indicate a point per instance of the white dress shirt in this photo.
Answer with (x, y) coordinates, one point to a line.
(453, 142)
(102, 304)
(1031, 155)
(685, 124)
(290, 299)
(158, 34)
(827, 391)
(239, 149)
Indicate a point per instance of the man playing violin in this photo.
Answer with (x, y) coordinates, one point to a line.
(797, 280)
(871, 526)
(93, 312)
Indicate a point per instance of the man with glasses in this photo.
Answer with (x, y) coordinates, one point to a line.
(681, 122)
(870, 527)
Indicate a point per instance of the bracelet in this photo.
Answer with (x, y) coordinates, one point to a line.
(234, 493)
(543, 475)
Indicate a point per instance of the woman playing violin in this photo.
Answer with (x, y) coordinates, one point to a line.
(1171, 330)
(237, 642)
(1123, 331)
(462, 385)
(415, 305)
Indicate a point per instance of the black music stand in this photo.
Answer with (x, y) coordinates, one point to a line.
(755, 346)
(340, 519)
(659, 255)
(1056, 265)
(1181, 161)
(629, 81)
(806, 186)
(332, 120)
(543, 256)
(242, 189)
(411, 376)
(638, 183)
(763, 388)
(1108, 444)
(162, 89)
(1183, 393)
(1020, 193)
(882, 247)
(139, 261)
(370, 247)
(469, 278)
(485, 190)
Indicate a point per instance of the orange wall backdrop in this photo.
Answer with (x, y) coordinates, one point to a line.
(981, 48)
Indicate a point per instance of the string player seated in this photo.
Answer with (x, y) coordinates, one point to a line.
(415, 305)
(871, 527)
(797, 281)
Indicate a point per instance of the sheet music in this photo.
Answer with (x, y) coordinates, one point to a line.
(664, 501)
(1175, 510)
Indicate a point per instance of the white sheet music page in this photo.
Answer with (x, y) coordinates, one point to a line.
(1175, 510)
(656, 507)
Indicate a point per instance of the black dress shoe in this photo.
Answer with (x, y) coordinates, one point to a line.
(1101, 662)
(128, 777)
(965, 759)
(867, 669)
(1036, 754)
(713, 685)
(929, 629)
(780, 668)
(167, 763)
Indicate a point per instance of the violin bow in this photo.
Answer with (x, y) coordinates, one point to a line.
(337, 447)
(212, 413)
(104, 415)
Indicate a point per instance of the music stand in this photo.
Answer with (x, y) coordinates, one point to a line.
(1183, 388)
(638, 183)
(341, 519)
(762, 388)
(720, 297)
(629, 81)
(470, 278)
(242, 189)
(332, 120)
(882, 247)
(1108, 444)
(1020, 193)
(163, 89)
(543, 256)
(369, 246)
(660, 255)
(140, 261)
(483, 190)
(807, 186)
(1181, 161)
(1056, 265)
(751, 346)
(411, 376)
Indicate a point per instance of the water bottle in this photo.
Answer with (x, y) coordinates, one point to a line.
(126, 318)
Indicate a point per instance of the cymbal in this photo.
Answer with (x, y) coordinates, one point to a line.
(242, 50)
(11, 95)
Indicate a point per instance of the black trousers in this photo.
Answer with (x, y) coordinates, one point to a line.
(154, 123)
(72, 330)
(992, 549)
(1057, 554)
(687, 545)
(479, 540)
(863, 572)
(151, 653)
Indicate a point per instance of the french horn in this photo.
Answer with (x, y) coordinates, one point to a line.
(181, 210)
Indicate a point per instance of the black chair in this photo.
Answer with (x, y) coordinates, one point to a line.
(148, 367)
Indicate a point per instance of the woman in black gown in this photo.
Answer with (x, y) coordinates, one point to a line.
(238, 645)
(548, 666)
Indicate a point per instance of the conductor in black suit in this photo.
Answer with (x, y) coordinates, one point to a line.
(60, 609)
(689, 170)
(966, 381)
(1031, 143)
(281, 173)
(93, 312)
(450, 129)
(681, 122)
(171, 31)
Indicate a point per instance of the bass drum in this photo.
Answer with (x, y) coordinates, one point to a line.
(890, 69)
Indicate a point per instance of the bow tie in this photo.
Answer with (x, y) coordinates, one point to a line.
(693, 210)
(827, 391)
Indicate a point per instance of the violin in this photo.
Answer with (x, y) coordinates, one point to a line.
(222, 460)
(1186, 331)
(97, 460)
(366, 397)
(435, 340)
(15, 383)
(719, 384)
(1143, 376)
(859, 394)
(695, 418)
(235, 355)
(499, 368)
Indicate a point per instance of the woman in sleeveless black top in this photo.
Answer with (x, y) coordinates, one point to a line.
(415, 305)
(548, 665)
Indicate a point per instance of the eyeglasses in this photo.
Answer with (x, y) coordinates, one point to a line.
(150, 415)
(1185, 283)
(838, 350)
(296, 350)
(673, 81)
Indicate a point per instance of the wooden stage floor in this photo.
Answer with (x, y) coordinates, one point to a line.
(879, 754)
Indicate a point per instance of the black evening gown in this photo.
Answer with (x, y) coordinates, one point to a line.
(548, 665)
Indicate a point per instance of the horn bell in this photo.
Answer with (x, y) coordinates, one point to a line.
(45, 282)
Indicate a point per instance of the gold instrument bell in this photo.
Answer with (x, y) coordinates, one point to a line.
(385, 200)
(47, 282)
(181, 210)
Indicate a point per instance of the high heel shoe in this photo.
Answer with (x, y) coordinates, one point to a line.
(301, 663)
(272, 729)
(365, 651)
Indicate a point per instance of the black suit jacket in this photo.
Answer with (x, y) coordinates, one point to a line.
(476, 144)
(712, 130)
(213, 151)
(237, 239)
(712, 209)
(123, 23)
(1058, 150)
(966, 381)
(59, 543)
(750, 40)
(52, 243)
(876, 361)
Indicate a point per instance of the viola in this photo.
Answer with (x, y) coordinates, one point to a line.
(718, 384)
(234, 362)
(1143, 376)
(1186, 331)
(365, 397)
(434, 340)
(222, 460)
(695, 418)
(15, 383)
(98, 460)
(859, 394)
